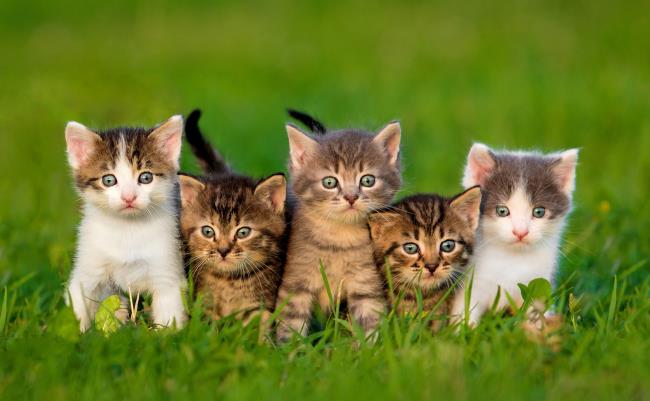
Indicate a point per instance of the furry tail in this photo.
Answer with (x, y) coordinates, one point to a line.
(209, 159)
(310, 122)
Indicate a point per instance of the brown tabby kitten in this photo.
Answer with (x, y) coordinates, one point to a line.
(337, 179)
(426, 241)
(234, 230)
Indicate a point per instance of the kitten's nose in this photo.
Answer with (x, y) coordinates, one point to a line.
(431, 267)
(223, 251)
(521, 234)
(130, 198)
(351, 198)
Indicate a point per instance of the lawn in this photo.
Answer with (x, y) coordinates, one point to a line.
(516, 74)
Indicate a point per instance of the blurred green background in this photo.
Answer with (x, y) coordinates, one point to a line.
(516, 74)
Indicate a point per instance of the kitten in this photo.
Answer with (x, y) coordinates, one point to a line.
(427, 242)
(234, 230)
(337, 179)
(128, 236)
(527, 197)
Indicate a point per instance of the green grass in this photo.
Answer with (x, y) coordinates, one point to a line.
(517, 74)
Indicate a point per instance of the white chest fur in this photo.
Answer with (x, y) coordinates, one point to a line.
(501, 268)
(137, 255)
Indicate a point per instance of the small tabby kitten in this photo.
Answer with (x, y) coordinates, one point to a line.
(128, 236)
(427, 242)
(234, 230)
(337, 179)
(526, 199)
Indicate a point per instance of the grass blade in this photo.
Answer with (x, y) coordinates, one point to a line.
(3, 313)
(612, 307)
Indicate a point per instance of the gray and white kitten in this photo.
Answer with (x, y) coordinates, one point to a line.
(526, 199)
(336, 180)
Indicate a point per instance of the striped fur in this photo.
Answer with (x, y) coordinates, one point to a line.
(235, 276)
(424, 223)
(329, 226)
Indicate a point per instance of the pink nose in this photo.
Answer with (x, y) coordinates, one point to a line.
(128, 199)
(351, 198)
(520, 234)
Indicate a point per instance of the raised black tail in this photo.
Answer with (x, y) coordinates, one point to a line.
(209, 159)
(310, 122)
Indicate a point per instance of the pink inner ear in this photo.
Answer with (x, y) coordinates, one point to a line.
(479, 171)
(565, 173)
(80, 150)
(479, 166)
(173, 145)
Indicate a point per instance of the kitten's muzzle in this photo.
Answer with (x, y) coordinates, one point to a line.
(224, 251)
(351, 198)
(431, 267)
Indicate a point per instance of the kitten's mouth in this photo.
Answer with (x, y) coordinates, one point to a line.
(130, 209)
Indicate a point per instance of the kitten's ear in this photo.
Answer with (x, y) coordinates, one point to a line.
(190, 188)
(168, 137)
(389, 138)
(300, 144)
(468, 205)
(273, 192)
(80, 143)
(480, 164)
(380, 221)
(565, 170)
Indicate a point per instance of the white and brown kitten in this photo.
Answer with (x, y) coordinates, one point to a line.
(128, 239)
(337, 179)
(526, 199)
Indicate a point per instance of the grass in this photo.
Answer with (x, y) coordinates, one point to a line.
(547, 75)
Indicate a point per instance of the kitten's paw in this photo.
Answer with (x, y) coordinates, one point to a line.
(544, 329)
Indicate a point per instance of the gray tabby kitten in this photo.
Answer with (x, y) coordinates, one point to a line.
(337, 179)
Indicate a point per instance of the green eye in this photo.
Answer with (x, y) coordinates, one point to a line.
(502, 211)
(243, 232)
(145, 178)
(368, 180)
(330, 182)
(207, 231)
(411, 248)
(448, 245)
(109, 180)
(539, 212)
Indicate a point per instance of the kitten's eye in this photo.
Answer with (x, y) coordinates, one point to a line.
(411, 248)
(109, 180)
(368, 180)
(330, 182)
(502, 211)
(539, 212)
(448, 245)
(207, 231)
(243, 232)
(145, 178)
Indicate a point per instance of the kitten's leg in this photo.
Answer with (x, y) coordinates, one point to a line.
(296, 314)
(167, 306)
(366, 300)
(81, 291)
(476, 308)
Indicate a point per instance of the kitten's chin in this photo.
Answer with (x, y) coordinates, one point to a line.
(350, 215)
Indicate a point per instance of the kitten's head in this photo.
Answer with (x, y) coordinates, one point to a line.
(128, 172)
(345, 174)
(427, 240)
(231, 224)
(526, 194)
